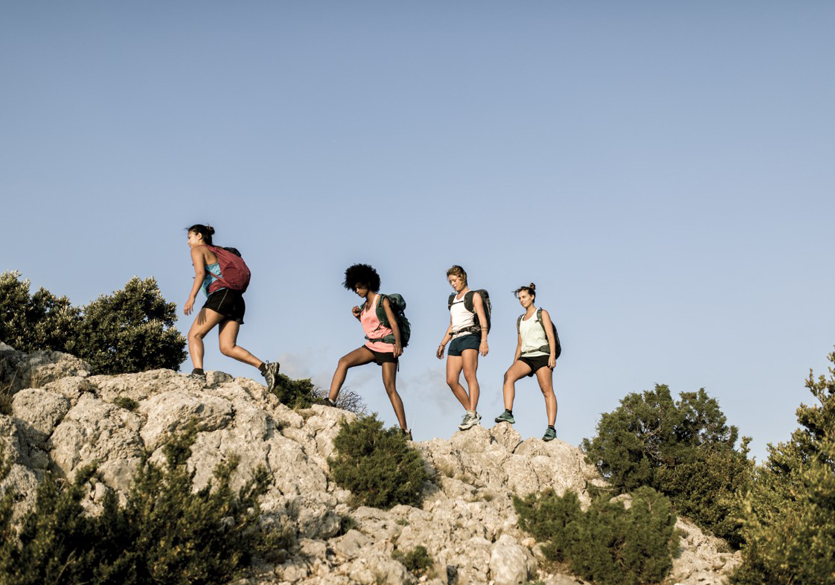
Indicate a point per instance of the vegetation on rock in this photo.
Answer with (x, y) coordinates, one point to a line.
(610, 543)
(377, 465)
(417, 561)
(789, 512)
(130, 331)
(164, 533)
(683, 449)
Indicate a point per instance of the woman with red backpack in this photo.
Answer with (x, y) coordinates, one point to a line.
(224, 304)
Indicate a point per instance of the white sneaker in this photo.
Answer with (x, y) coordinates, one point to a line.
(471, 419)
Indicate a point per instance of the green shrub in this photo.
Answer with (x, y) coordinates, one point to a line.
(295, 393)
(165, 533)
(377, 465)
(126, 403)
(131, 330)
(789, 513)
(684, 449)
(608, 544)
(417, 561)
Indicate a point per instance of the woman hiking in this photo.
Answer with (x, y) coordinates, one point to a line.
(536, 353)
(467, 339)
(224, 307)
(383, 344)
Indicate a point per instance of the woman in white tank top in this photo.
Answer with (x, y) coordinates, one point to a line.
(535, 354)
(467, 340)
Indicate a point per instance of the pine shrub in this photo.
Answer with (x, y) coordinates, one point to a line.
(165, 532)
(377, 465)
(417, 561)
(683, 449)
(609, 543)
(789, 512)
(130, 331)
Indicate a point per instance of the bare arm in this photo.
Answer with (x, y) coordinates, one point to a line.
(395, 328)
(198, 259)
(446, 338)
(552, 343)
(478, 305)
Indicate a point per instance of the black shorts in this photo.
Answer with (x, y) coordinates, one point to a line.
(383, 357)
(535, 362)
(229, 303)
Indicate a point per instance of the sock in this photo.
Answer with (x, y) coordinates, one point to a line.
(198, 371)
(551, 427)
(510, 412)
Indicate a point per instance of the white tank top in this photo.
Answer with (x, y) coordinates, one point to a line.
(533, 337)
(461, 318)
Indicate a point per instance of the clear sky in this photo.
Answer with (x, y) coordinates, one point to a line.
(663, 171)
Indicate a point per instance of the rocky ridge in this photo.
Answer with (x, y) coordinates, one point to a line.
(63, 418)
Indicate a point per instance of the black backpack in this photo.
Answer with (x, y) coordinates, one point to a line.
(546, 348)
(468, 304)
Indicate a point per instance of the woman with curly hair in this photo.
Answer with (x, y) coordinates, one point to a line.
(224, 307)
(378, 348)
(467, 339)
(536, 353)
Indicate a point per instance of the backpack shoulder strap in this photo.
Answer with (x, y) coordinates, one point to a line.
(451, 299)
(518, 323)
(541, 322)
(468, 301)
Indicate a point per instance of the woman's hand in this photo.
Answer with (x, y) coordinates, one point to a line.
(440, 353)
(355, 311)
(189, 307)
(398, 350)
(552, 361)
(483, 349)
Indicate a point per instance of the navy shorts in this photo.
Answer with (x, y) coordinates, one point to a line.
(459, 344)
(535, 362)
(229, 303)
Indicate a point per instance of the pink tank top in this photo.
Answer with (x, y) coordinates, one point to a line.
(374, 329)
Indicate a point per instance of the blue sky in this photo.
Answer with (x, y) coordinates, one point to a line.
(661, 170)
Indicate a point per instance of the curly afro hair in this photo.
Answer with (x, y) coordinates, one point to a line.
(361, 274)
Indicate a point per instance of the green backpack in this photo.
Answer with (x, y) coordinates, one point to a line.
(546, 348)
(398, 306)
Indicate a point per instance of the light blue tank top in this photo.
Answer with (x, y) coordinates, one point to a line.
(210, 269)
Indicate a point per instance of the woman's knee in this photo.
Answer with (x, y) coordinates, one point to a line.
(227, 349)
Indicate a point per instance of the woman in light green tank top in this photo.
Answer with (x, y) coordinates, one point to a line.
(535, 355)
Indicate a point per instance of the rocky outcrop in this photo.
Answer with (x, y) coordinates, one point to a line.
(65, 419)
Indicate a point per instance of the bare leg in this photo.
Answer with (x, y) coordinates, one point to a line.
(545, 377)
(204, 322)
(389, 378)
(517, 371)
(358, 357)
(454, 365)
(228, 337)
(470, 358)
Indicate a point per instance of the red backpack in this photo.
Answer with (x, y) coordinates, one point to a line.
(235, 272)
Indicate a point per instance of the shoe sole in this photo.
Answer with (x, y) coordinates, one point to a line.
(501, 420)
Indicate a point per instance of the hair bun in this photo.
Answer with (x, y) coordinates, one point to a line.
(210, 229)
(532, 286)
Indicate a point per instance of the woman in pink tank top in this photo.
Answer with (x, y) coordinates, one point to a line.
(378, 348)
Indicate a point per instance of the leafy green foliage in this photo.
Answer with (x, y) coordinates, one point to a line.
(126, 403)
(295, 393)
(165, 533)
(377, 465)
(32, 322)
(131, 330)
(683, 449)
(789, 513)
(608, 544)
(417, 561)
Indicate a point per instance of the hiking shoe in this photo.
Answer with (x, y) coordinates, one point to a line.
(198, 373)
(550, 434)
(406, 433)
(470, 420)
(506, 416)
(324, 402)
(271, 375)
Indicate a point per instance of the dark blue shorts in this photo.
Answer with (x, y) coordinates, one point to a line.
(459, 344)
